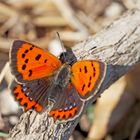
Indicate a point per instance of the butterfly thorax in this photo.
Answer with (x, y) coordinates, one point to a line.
(62, 76)
(60, 83)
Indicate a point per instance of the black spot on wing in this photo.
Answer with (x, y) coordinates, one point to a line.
(38, 57)
(23, 55)
(90, 78)
(80, 70)
(23, 67)
(26, 61)
(94, 71)
(45, 60)
(85, 68)
(89, 84)
(83, 87)
(30, 73)
(26, 51)
(92, 64)
(31, 48)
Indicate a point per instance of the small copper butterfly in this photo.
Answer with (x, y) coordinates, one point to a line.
(43, 79)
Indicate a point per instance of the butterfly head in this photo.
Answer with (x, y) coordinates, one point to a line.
(68, 57)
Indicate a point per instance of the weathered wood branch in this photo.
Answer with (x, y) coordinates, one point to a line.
(118, 45)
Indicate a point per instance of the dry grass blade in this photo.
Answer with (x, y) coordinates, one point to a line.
(50, 21)
(72, 36)
(5, 44)
(68, 14)
(4, 71)
(7, 11)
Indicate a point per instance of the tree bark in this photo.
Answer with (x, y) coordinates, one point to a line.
(118, 45)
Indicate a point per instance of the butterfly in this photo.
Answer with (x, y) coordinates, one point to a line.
(44, 80)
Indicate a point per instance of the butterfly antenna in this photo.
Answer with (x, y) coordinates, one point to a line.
(62, 45)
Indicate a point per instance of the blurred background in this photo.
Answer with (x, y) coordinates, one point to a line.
(114, 116)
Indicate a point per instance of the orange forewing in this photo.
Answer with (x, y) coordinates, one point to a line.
(33, 62)
(87, 75)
